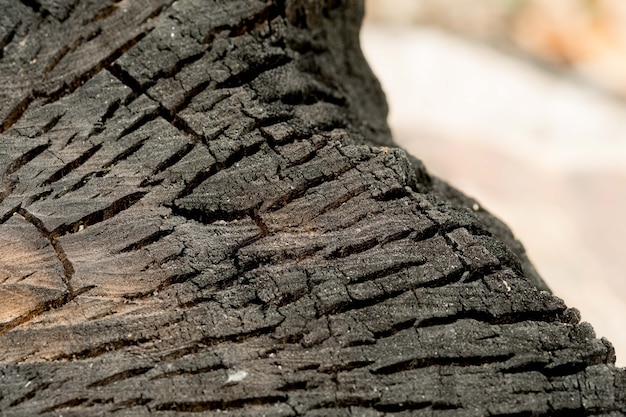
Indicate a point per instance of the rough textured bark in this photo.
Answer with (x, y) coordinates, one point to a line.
(201, 211)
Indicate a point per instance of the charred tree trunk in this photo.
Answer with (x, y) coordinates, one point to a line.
(201, 210)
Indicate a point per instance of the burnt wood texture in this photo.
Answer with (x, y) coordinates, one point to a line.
(202, 211)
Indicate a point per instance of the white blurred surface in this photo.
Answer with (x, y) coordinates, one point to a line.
(545, 154)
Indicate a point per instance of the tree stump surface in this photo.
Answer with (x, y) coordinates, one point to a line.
(202, 211)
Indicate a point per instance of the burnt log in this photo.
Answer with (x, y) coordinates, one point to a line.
(202, 211)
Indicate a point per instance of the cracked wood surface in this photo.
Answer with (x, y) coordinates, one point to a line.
(201, 211)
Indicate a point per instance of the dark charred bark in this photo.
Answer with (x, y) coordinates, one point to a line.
(202, 211)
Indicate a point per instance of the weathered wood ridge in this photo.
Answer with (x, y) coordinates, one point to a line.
(201, 210)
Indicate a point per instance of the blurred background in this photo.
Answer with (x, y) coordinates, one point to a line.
(522, 105)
